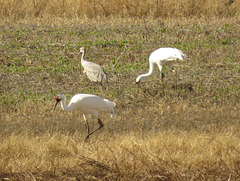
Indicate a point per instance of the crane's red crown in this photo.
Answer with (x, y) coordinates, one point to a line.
(57, 99)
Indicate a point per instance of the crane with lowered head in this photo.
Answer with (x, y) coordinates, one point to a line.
(162, 57)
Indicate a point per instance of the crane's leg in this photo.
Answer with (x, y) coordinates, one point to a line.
(102, 86)
(175, 72)
(100, 126)
(86, 123)
(161, 75)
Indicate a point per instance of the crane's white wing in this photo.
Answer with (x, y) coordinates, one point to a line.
(92, 104)
(166, 54)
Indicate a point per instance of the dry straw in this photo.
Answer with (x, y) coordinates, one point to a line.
(80, 9)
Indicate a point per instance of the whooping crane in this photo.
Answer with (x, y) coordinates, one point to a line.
(87, 104)
(94, 71)
(162, 57)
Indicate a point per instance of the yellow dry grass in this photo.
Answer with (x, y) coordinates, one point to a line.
(124, 156)
(44, 147)
(165, 9)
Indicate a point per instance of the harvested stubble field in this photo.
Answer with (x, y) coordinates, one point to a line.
(189, 132)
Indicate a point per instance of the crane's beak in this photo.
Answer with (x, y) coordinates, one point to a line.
(138, 83)
(57, 101)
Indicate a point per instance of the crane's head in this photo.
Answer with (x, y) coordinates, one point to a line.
(184, 56)
(181, 55)
(138, 79)
(82, 49)
(138, 83)
(58, 99)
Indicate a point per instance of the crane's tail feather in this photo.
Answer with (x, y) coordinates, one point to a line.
(111, 106)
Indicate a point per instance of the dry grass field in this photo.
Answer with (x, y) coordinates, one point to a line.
(189, 132)
(22, 9)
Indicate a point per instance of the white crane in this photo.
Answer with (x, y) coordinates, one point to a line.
(94, 71)
(162, 57)
(87, 104)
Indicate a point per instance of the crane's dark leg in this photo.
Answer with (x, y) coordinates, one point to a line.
(176, 81)
(100, 126)
(87, 126)
(162, 77)
(102, 86)
(175, 72)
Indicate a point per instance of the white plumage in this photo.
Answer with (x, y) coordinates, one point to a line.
(162, 57)
(87, 104)
(94, 72)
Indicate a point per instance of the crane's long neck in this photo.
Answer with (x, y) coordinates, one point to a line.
(83, 57)
(65, 107)
(147, 74)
